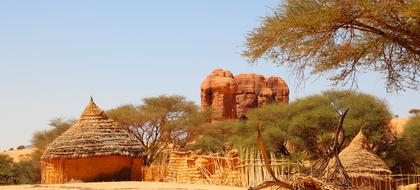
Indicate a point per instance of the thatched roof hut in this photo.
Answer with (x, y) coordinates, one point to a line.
(362, 166)
(95, 139)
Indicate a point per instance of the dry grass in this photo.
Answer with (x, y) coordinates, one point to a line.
(358, 160)
(121, 185)
(19, 155)
(94, 135)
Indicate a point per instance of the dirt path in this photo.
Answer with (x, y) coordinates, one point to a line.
(121, 186)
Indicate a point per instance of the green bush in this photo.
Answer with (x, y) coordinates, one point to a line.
(216, 138)
(15, 173)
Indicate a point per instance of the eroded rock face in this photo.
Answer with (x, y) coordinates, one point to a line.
(218, 92)
(232, 97)
(249, 87)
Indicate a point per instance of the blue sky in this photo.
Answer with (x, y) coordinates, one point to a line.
(55, 54)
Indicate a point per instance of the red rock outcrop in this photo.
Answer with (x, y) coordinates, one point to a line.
(279, 89)
(218, 92)
(249, 87)
(233, 96)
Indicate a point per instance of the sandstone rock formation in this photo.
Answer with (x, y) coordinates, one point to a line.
(233, 96)
(218, 92)
(249, 86)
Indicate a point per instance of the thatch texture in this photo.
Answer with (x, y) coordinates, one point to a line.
(94, 135)
(358, 161)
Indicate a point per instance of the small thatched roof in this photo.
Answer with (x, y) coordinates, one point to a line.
(358, 161)
(94, 135)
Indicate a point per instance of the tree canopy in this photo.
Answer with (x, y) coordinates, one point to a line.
(308, 124)
(160, 123)
(343, 38)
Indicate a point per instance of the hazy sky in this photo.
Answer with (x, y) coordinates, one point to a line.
(55, 54)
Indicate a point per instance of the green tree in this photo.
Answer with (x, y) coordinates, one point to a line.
(15, 173)
(6, 170)
(343, 38)
(308, 125)
(159, 123)
(412, 134)
(313, 121)
(275, 121)
(25, 172)
(215, 138)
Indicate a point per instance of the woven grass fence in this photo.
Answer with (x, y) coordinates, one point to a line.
(243, 171)
(247, 170)
(253, 171)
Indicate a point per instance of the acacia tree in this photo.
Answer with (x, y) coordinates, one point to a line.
(160, 123)
(343, 37)
(305, 128)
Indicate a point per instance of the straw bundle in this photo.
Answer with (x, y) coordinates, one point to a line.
(94, 135)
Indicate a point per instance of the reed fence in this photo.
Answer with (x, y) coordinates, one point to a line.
(247, 170)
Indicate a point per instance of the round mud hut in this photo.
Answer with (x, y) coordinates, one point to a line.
(93, 149)
(365, 169)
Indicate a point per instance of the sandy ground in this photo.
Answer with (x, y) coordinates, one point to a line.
(121, 186)
(19, 155)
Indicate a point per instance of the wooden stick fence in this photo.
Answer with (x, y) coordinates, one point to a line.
(248, 170)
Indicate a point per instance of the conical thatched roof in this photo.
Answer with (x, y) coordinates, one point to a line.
(94, 135)
(358, 161)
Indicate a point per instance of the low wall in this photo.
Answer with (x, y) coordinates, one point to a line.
(92, 169)
(187, 167)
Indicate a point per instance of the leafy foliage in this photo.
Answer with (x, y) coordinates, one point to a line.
(160, 122)
(15, 173)
(274, 133)
(412, 134)
(6, 170)
(342, 38)
(215, 138)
